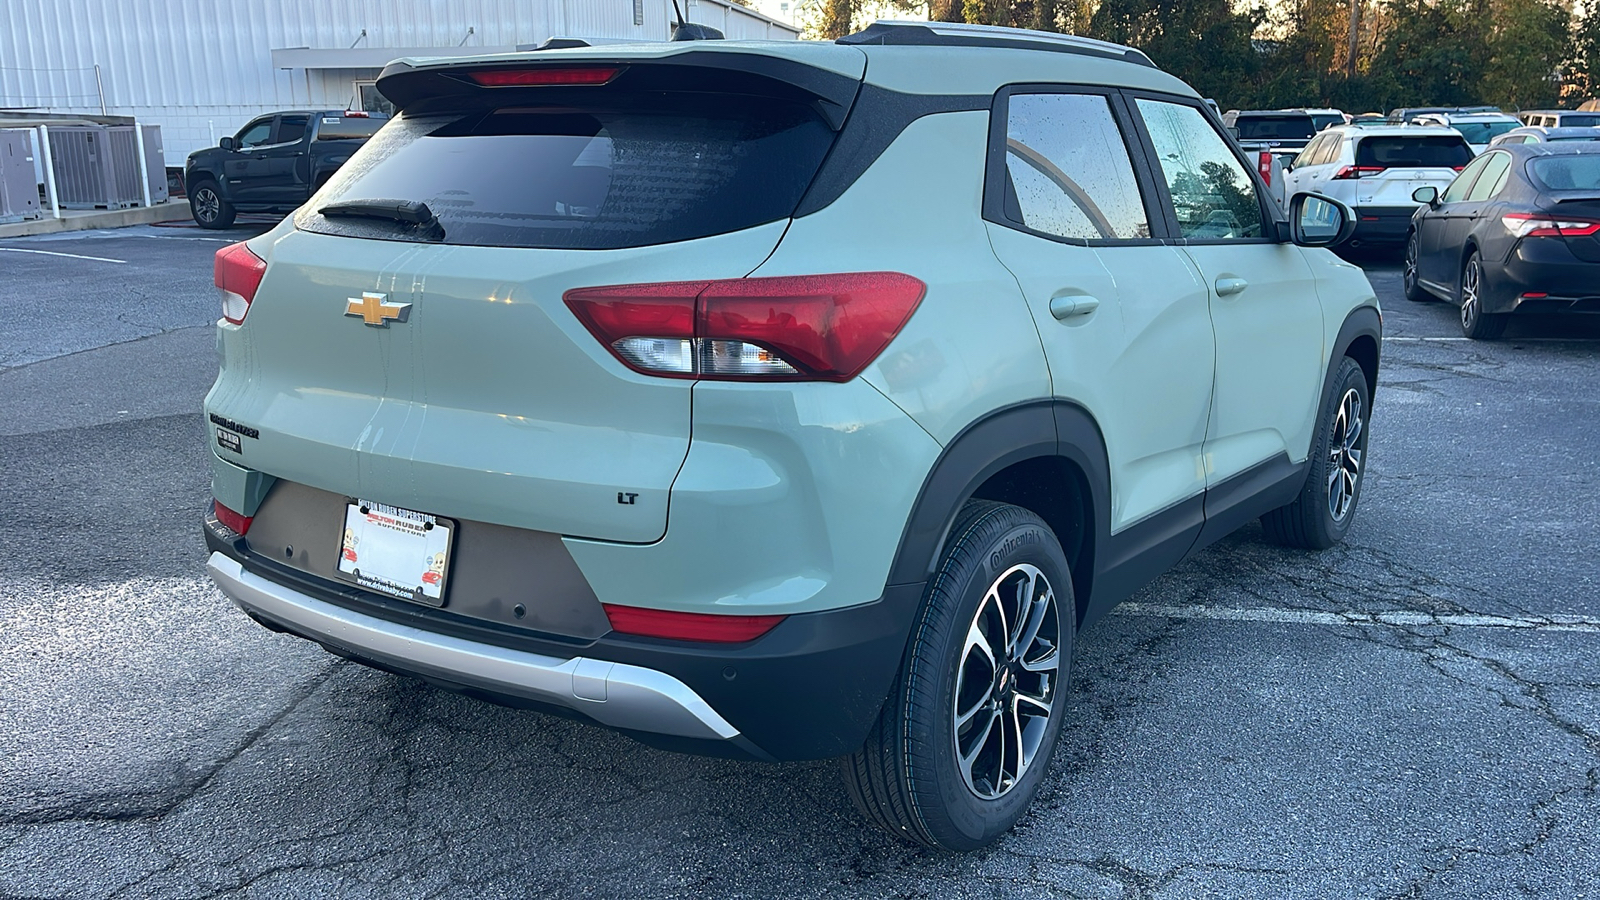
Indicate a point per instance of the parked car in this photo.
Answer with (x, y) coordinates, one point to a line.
(1478, 128)
(1325, 117)
(1540, 134)
(1405, 114)
(274, 163)
(1517, 232)
(1284, 131)
(933, 433)
(1375, 168)
(1560, 118)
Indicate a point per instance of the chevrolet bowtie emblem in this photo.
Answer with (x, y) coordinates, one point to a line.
(375, 310)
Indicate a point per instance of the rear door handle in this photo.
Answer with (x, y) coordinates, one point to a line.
(1230, 285)
(1069, 306)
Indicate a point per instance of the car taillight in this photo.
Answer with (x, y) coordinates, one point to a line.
(1526, 225)
(682, 626)
(1357, 171)
(1264, 166)
(356, 114)
(793, 328)
(239, 524)
(238, 273)
(574, 75)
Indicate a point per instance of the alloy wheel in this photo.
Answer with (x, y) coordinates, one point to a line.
(1007, 681)
(1410, 276)
(207, 205)
(1471, 278)
(1344, 455)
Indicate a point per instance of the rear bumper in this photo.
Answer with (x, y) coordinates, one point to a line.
(809, 689)
(1383, 224)
(1543, 266)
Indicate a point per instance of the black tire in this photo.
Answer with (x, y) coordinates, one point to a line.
(908, 778)
(208, 207)
(1321, 515)
(1414, 290)
(1475, 323)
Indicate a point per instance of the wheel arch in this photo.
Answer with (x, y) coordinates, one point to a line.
(1360, 338)
(1048, 457)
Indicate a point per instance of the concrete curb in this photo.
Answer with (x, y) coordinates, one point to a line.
(85, 219)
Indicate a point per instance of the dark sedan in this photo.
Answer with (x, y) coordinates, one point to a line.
(1518, 231)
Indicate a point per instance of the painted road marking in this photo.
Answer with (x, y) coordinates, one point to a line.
(54, 253)
(1402, 618)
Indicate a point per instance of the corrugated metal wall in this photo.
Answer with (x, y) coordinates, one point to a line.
(201, 68)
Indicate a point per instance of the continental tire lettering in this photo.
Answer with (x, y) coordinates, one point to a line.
(1012, 543)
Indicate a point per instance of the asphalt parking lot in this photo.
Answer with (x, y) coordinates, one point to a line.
(1413, 714)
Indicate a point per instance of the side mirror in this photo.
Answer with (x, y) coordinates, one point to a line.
(1427, 194)
(1319, 221)
(228, 143)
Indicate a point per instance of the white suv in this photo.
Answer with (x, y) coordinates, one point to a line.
(1375, 169)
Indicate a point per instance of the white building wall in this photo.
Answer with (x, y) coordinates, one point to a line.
(201, 68)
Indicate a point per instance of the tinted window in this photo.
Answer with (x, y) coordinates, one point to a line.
(669, 169)
(1483, 132)
(339, 128)
(1457, 191)
(255, 133)
(290, 128)
(1321, 121)
(1313, 153)
(1212, 192)
(1493, 177)
(1567, 173)
(1399, 151)
(1275, 128)
(1581, 121)
(1069, 168)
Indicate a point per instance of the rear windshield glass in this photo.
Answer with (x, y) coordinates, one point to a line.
(1320, 121)
(1274, 128)
(1413, 152)
(339, 128)
(1567, 173)
(588, 178)
(1483, 132)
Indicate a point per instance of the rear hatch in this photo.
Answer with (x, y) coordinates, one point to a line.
(1390, 167)
(1572, 185)
(427, 359)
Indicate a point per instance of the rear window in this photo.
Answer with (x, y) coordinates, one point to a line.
(1320, 121)
(1483, 132)
(1274, 128)
(1400, 152)
(1580, 121)
(340, 128)
(1567, 173)
(589, 178)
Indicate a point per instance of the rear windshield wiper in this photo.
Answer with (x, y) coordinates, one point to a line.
(417, 218)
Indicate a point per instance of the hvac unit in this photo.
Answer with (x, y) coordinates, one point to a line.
(97, 166)
(19, 191)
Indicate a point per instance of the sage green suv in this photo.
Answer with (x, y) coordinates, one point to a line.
(781, 400)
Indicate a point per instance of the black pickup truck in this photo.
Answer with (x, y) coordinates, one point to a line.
(273, 164)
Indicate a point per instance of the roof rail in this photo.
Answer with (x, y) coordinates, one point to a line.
(956, 34)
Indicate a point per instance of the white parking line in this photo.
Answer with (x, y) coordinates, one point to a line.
(54, 253)
(1429, 339)
(1405, 619)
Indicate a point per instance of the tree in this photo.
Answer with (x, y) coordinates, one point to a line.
(1586, 48)
(1204, 42)
(1527, 44)
(1434, 53)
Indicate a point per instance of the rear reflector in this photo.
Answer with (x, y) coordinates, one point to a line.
(797, 328)
(682, 626)
(237, 271)
(545, 76)
(239, 524)
(1527, 225)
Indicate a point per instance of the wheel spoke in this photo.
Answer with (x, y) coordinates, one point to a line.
(962, 718)
(976, 638)
(970, 756)
(1047, 663)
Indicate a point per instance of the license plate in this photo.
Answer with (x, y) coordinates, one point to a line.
(394, 551)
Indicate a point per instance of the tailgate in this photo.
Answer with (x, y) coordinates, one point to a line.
(1393, 187)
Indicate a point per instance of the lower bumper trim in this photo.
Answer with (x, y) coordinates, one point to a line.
(615, 694)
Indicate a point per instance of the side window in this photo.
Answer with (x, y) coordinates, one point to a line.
(1330, 153)
(1212, 192)
(256, 132)
(290, 129)
(1067, 169)
(1312, 154)
(1457, 191)
(1495, 172)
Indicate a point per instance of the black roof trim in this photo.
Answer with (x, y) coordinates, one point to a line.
(931, 35)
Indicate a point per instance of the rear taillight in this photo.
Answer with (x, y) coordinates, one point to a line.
(238, 523)
(1264, 166)
(238, 273)
(356, 114)
(1356, 171)
(572, 75)
(682, 626)
(1526, 225)
(798, 328)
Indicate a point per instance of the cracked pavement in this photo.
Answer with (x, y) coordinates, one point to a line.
(1415, 713)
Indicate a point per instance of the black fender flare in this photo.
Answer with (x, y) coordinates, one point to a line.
(1039, 429)
(1362, 322)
